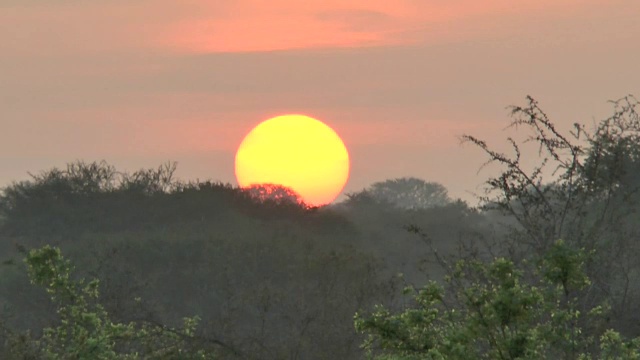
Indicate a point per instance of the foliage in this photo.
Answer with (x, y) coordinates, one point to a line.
(613, 159)
(60, 201)
(410, 193)
(201, 248)
(85, 330)
(96, 197)
(497, 311)
(586, 168)
(538, 298)
(272, 278)
(277, 194)
(584, 189)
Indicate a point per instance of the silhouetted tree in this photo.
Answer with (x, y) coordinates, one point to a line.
(590, 199)
(410, 193)
(273, 193)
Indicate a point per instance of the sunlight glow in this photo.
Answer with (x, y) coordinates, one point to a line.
(298, 152)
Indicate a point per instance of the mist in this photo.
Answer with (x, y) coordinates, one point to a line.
(264, 276)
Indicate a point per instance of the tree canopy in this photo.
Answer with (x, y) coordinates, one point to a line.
(410, 193)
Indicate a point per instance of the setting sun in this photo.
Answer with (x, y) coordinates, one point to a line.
(295, 151)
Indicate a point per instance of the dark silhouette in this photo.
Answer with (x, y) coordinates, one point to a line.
(410, 193)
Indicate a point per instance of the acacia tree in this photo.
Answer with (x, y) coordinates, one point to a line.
(591, 199)
(583, 168)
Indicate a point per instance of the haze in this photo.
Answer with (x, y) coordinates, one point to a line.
(109, 250)
(140, 83)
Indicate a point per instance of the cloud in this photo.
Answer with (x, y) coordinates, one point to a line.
(70, 28)
(252, 25)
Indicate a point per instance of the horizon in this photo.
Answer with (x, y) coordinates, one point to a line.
(141, 84)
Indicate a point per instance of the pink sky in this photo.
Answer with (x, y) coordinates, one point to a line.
(138, 83)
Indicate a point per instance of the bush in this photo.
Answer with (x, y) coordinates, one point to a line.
(498, 310)
(85, 330)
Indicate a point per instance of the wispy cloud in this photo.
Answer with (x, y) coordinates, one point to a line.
(201, 26)
(288, 24)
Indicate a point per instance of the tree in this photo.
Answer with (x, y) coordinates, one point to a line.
(195, 248)
(498, 310)
(274, 193)
(585, 167)
(410, 193)
(59, 200)
(85, 330)
(612, 161)
(583, 189)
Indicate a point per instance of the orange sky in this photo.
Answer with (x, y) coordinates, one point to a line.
(141, 82)
(250, 25)
(281, 25)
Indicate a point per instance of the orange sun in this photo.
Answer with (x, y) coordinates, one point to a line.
(298, 152)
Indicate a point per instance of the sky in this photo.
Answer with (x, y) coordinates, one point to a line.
(139, 83)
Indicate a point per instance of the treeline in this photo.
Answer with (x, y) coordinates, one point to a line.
(207, 270)
(267, 275)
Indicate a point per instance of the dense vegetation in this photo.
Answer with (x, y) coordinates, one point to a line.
(100, 264)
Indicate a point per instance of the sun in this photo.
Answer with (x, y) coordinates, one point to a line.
(298, 152)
